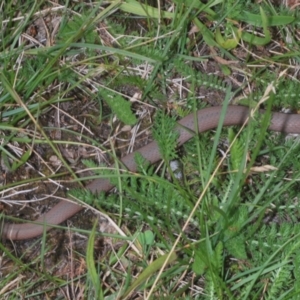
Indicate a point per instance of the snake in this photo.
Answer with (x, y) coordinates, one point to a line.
(204, 119)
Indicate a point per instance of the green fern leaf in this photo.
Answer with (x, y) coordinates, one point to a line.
(218, 257)
(166, 137)
(236, 247)
(279, 280)
(120, 107)
(236, 151)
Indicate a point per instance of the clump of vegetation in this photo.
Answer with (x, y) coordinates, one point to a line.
(80, 79)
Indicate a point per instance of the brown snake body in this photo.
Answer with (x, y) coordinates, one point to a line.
(207, 119)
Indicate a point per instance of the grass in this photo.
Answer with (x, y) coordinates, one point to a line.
(80, 85)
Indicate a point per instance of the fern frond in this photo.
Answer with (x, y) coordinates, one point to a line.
(209, 81)
(210, 290)
(119, 106)
(236, 151)
(279, 281)
(219, 257)
(165, 135)
(155, 200)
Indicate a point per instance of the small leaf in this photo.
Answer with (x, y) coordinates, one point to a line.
(120, 107)
(199, 266)
(236, 247)
(146, 238)
(22, 160)
(228, 43)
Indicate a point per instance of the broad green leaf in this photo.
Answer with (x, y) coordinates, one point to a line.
(252, 38)
(146, 238)
(199, 266)
(256, 20)
(144, 10)
(199, 5)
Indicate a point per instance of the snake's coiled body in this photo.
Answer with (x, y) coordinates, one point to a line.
(207, 119)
